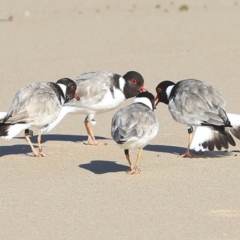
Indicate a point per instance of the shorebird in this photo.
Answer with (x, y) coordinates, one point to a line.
(195, 103)
(36, 105)
(134, 126)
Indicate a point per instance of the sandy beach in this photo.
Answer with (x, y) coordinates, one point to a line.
(83, 192)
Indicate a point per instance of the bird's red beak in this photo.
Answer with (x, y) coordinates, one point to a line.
(142, 89)
(156, 99)
(76, 96)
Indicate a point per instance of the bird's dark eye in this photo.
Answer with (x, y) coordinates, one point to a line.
(159, 90)
(134, 81)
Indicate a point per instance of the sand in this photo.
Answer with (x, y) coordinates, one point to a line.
(83, 192)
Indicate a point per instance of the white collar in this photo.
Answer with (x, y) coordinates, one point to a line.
(169, 90)
(64, 89)
(144, 100)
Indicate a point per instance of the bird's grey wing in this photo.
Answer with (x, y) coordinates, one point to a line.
(135, 120)
(18, 111)
(196, 101)
(92, 87)
(36, 103)
(93, 75)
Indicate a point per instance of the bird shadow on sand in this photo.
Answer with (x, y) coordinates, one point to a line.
(25, 148)
(62, 137)
(14, 150)
(102, 167)
(181, 150)
(165, 149)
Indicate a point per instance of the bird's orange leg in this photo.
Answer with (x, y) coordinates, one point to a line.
(187, 154)
(135, 169)
(39, 145)
(27, 134)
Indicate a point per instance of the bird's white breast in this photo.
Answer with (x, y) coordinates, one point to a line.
(110, 101)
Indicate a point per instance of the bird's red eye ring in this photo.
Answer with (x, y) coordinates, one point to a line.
(73, 88)
(134, 81)
(159, 90)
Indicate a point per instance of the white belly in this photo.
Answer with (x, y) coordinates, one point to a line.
(107, 103)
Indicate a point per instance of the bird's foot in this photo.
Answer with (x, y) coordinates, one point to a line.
(186, 155)
(38, 154)
(42, 154)
(134, 170)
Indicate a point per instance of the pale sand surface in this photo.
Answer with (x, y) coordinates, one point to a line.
(83, 192)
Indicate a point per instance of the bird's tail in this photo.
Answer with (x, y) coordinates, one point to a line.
(8, 130)
(207, 137)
